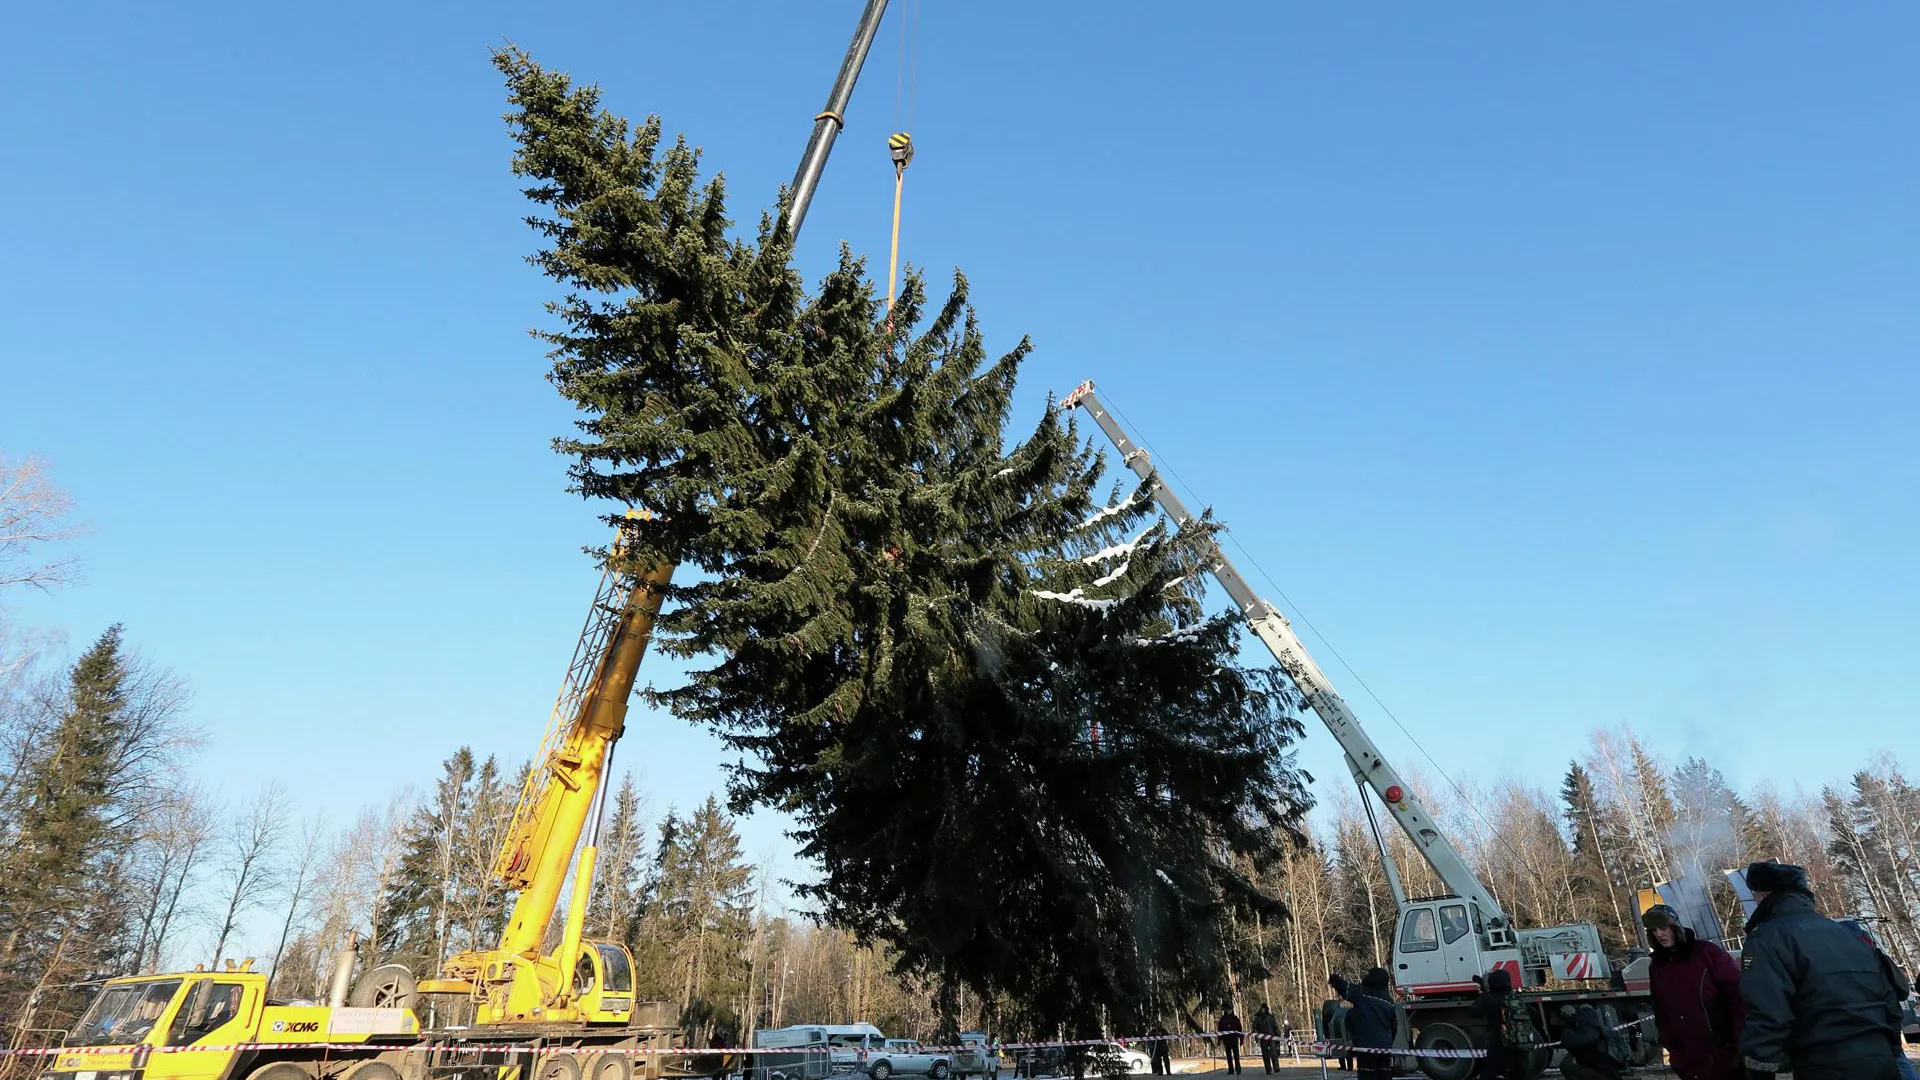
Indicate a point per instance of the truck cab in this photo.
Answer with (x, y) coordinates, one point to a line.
(1442, 944)
(226, 1013)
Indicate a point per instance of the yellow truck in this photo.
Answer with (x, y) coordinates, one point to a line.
(207, 1025)
(568, 1014)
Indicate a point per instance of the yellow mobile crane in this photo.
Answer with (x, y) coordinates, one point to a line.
(565, 1015)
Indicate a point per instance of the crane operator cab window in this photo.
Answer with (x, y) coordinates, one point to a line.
(1419, 933)
(603, 978)
(618, 972)
(1453, 922)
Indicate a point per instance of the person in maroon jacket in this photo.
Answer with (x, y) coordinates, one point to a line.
(1696, 999)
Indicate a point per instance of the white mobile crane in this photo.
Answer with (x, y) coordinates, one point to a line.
(1442, 944)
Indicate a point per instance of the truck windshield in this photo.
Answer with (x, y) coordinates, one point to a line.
(123, 1014)
(613, 962)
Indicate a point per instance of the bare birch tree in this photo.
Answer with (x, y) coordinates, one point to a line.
(299, 883)
(173, 851)
(250, 868)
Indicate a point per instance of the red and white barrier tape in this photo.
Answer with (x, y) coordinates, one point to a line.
(642, 1051)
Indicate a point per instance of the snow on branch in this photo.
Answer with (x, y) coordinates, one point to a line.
(1185, 633)
(1120, 507)
(1077, 596)
(1118, 550)
(1112, 576)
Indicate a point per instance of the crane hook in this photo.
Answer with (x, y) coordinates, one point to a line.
(900, 148)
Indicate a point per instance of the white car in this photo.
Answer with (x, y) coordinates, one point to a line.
(905, 1057)
(1122, 1058)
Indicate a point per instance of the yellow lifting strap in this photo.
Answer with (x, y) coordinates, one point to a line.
(900, 147)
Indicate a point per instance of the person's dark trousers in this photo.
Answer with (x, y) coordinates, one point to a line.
(1270, 1055)
(1882, 1067)
(1573, 1070)
(1233, 1057)
(1373, 1066)
(1503, 1063)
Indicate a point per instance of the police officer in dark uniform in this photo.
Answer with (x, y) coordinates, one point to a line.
(1819, 1004)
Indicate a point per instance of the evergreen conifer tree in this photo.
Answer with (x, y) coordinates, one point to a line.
(621, 872)
(421, 895)
(67, 912)
(704, 894)
(1595, 831)
(1021, 753)
(481, 902)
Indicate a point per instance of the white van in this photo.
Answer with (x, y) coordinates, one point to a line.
(813, 1051)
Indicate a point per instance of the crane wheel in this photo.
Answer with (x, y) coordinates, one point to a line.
(558, 1067)
(281, 1070)
(1444, 1036)
(372, 1070)
(610, 1066)
(389, 986)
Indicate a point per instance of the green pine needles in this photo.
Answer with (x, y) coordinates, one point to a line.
(1020, 752)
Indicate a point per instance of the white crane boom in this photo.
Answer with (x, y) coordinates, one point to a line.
(1272, 628)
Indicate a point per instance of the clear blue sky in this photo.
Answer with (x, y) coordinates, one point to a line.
(1558, 359)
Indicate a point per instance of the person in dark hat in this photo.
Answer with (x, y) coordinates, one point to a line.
(1820, 1004)
(1506, 1042)
(1231, 1032)
(1696, 999)
(1266, 1032)
(1372, 1024)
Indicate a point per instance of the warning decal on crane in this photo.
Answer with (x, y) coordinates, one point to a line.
(1575, 965)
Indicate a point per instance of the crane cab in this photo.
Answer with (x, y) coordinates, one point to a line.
(603, 983)
(1443, 944)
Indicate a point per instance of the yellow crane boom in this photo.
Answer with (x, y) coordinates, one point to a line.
(560, 803)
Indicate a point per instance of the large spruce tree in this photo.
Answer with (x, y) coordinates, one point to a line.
(68, 812)
(1021, 753)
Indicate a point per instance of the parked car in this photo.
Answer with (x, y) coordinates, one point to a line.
(1037, 1061)
(1099, 1059)
(905, 1057)
(977, 1056)
(1111, 1058)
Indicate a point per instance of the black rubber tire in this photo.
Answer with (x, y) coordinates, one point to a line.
(389, 986)
(1444, 1036)
(281, 1070)
(372, 1070)
(610, 1066)
(940, 1071)
(880, 1070)
(561, 1066)
(1536, 1064)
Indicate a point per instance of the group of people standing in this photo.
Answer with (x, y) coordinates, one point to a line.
(1266, 1032)
(1809, 996)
